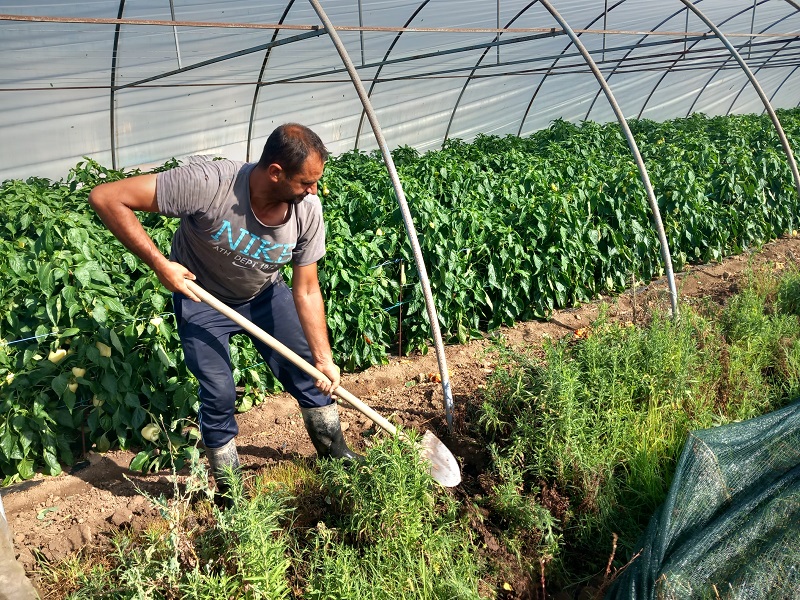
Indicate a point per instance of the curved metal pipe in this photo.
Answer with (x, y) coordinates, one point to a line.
(741, 89)
(112, 90)
(651, 197)
(796, 6)
(401, 199)
(767, 104)
(664, 76)
(739, 93)
(624, 58)
(554, 63)
(380, 68)
(730, 58)
(778, 89)
(475, 68)
(259, 80)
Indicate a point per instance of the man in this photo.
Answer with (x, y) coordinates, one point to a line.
(240, 222)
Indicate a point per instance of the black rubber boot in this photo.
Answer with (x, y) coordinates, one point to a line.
(325, 431)
(218, 460)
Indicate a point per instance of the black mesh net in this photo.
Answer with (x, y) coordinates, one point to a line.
(730, 526)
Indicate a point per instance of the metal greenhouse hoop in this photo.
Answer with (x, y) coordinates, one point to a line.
(651, 197)
(787, 148)
(409, 223)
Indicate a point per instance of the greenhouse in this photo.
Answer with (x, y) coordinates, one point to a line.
(492, 162)
(136, 82)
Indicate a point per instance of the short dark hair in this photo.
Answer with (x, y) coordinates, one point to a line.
(289, 146)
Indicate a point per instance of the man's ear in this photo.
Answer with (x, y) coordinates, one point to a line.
(274, 171)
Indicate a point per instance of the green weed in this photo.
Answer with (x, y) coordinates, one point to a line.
(392, 533)
(601, 419)
(380, 530)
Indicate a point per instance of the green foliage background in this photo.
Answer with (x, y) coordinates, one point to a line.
(510, 229)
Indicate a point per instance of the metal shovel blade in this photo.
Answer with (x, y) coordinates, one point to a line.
(444, 467)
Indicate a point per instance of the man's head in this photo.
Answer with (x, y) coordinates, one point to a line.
(293, 160)
(289, 146)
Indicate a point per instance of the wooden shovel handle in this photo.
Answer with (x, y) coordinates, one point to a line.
(287, 353)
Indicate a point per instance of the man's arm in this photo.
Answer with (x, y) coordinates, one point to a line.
(311, 310)
(115, 203)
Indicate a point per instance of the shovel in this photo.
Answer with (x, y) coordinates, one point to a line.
(444, 467)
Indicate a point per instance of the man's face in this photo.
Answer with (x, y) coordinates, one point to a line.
(296, 187)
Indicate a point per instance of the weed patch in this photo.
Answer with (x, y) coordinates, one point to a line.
(601, 418)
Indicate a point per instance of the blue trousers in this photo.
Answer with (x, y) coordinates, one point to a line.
(205, 336)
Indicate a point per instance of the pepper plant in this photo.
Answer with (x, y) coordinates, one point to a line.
(510, 229)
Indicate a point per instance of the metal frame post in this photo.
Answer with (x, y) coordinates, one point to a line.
(651, 197)
(767, 104)
(401, 199)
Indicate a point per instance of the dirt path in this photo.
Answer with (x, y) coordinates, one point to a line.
(58, 515)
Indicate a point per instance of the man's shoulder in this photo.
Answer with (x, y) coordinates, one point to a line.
(311, 202)
(210, 163)
(207, 164)
(309, 208)
(195, 186)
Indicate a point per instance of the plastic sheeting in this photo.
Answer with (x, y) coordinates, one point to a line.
(131, 94)
(730, 526)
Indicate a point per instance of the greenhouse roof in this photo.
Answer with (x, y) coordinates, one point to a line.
(140, 81)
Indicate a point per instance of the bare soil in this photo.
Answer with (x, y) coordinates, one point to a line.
(56, 516)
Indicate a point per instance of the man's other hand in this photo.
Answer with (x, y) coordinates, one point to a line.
(331, 371)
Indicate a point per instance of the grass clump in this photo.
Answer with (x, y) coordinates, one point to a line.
(192, 551)
(391, 533)
(383, 529)
(598, 421)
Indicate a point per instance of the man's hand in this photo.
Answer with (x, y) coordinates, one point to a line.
(331, 371)
(173, 276)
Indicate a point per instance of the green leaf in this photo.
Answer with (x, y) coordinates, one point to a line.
(162, 356)
(59, 384)
(139, 461)
(25, 468)
(488, 301)
(245, 405)
(51, 461)
(492, 276)
(42, 514)
(102, 444)
(109, 383)
(115, 341)
(138, 418)
(17, 264)
(114, 305)
(99, 314)
(7, 442)
(98, 274)
(83, 274)
(46, 279)
(158, 302)
(130, 260)
(53, 306)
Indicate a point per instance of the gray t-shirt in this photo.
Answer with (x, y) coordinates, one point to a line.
(220, 240)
